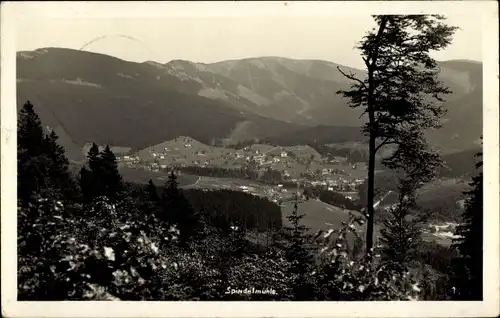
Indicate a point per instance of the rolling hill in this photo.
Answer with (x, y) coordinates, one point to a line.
(89, 97)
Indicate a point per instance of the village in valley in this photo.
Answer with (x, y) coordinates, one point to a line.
(277, 173)
(277, 169)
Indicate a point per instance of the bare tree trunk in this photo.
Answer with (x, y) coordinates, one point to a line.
(370, 195)
(371, 65)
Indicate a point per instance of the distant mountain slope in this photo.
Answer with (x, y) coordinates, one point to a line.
(303, 91)
(298, 89)
(94, 97)
(97, 98)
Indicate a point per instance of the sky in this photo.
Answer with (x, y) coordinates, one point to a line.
(211, 39)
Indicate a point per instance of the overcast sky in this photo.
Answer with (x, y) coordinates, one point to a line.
(212, 39)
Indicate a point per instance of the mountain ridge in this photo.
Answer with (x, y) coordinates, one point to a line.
(244, 99)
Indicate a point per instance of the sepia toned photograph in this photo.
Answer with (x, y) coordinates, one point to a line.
(290, 153)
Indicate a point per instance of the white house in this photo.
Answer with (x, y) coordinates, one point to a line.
(283, 154)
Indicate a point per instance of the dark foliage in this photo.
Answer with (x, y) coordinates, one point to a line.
(248, 211)
(176, 210)
(339, 200)
(41, 164)
(100, 177)
(401, 235)
(459, 164)
(468, 265)
(299, 256)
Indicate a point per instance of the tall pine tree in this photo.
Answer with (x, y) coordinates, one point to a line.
(152, 191)
(32, 164)
(111, 178)
(86, 186)
(402, 232)
(468, 265)
(398, 94)
(59, 168)
(91, 176)
(298, 255)
(42, 163)
(176, 210)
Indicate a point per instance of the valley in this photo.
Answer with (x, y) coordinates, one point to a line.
(277, 173)
(265, 126)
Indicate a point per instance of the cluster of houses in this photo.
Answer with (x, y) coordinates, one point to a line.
(339, 184)
(333, 179)
(129, 161)
(274, 155)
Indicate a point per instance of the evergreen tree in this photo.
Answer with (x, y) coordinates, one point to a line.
(42, 163)
(32, 163)
(152, 191)
(86, 187)
(94, 159)
(469, 264)
(402, 234)
(59, 168)
(415, 165)
(176, 210)
(400, 89)
(111, 178)
(298, 255)
(91, 177)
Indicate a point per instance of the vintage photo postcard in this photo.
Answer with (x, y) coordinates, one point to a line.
(250, 159)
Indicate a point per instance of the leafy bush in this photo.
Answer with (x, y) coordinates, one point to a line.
(106, 251)
(346, 275)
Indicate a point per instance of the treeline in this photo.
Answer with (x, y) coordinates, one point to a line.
(241, 209)
(245, 210)
(331, 197)
(250, 172)
(459, 164)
